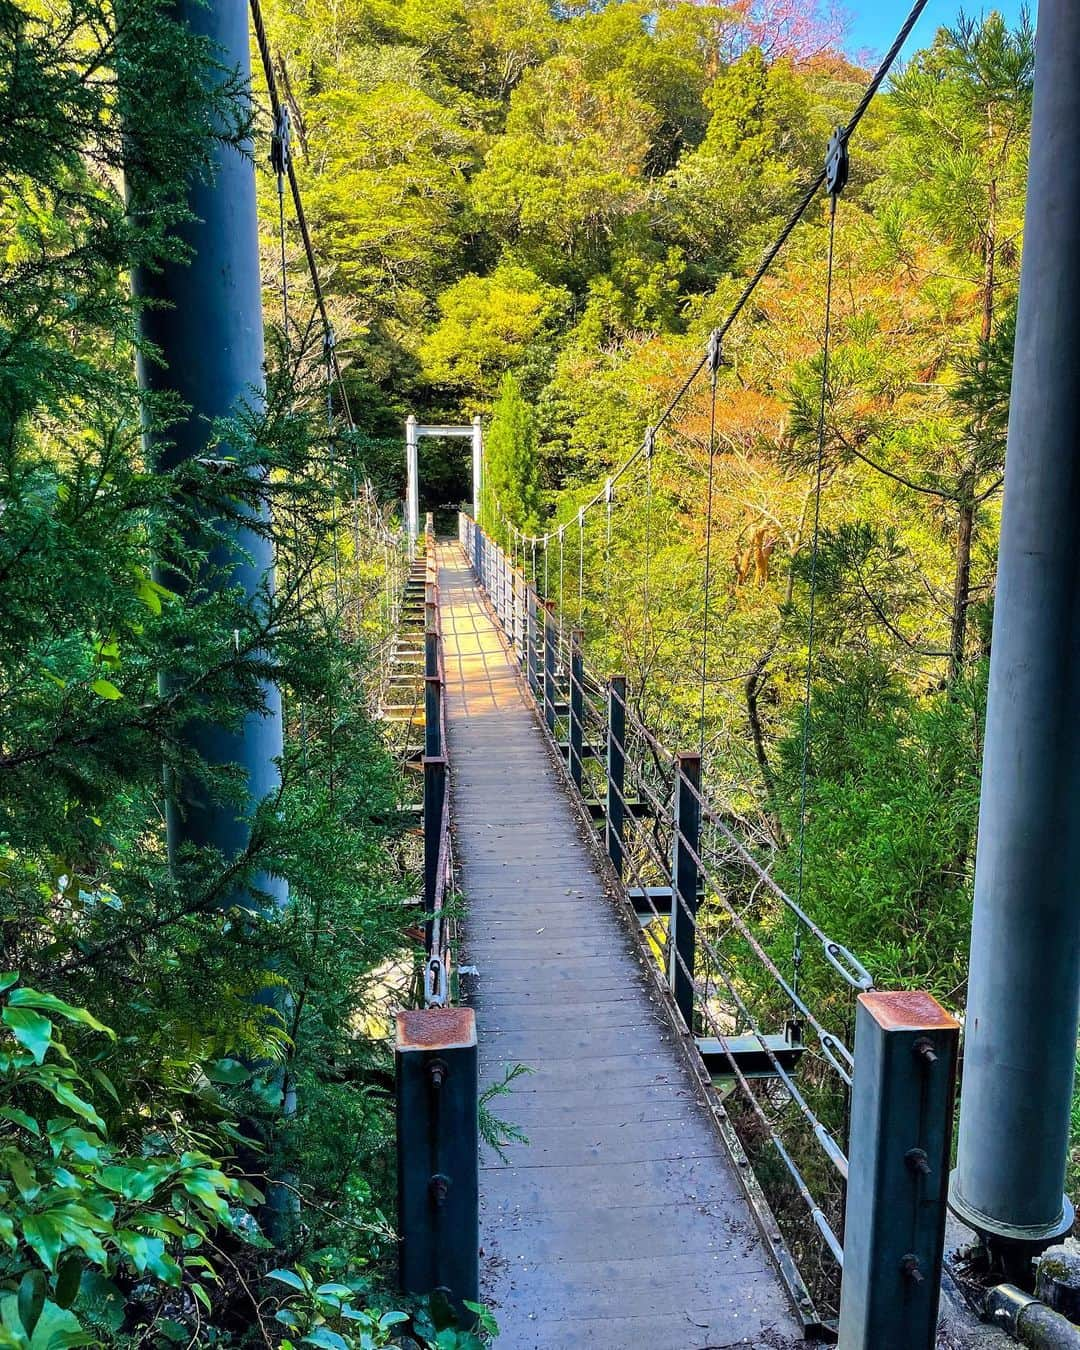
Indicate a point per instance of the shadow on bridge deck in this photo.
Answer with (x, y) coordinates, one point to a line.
(622, 1222)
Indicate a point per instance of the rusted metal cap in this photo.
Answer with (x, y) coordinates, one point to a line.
(436, 1029)
(907, 1010)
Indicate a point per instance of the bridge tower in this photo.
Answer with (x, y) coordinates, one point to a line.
(1021, 1024)
(204, 316)
(413, 431)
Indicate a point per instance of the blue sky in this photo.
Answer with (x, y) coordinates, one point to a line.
(874, 23)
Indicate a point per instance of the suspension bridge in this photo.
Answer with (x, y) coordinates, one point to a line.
(698, 1154)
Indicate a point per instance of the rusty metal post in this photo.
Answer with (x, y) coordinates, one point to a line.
(901, 1133)
(438, 1149)
(550, 691)
(616, 770)
(577, 706)
(684, 883)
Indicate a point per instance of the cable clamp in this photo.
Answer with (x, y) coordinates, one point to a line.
(715, 352)
(281, 143)
(837, 163)
(609, 491)
(650, 438)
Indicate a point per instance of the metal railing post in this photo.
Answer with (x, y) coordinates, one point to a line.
(434, 806)
(616, 769)
(438, 1147)
(577, 705)
(549, 665)
(517, 581)
(531, 644)
(684, 883)
(901, 1134)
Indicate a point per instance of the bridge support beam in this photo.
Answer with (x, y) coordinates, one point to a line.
(1021, 1024)
(203, 315)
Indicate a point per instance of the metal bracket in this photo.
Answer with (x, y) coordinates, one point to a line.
(837, 163)
(281, 143)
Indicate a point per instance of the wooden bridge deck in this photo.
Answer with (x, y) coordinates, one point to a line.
(621, 1224)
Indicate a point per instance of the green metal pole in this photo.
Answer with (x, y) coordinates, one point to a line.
(204, 318)
(1021, 1024)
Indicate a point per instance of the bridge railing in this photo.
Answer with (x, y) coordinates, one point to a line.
(766, 996)
(437, 1073)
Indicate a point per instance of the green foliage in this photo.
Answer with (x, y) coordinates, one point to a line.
(487, 325)
(80, 1217)
(136, 1160)
(512, 485)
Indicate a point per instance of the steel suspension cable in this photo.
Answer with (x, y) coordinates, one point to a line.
(609, 494)
(714, 370)
(804, 753)
(581, 564)
(648, 550)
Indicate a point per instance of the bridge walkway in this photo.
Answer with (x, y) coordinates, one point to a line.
(621, 1223)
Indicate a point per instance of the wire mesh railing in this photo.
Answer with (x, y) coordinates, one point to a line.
(773, 1033)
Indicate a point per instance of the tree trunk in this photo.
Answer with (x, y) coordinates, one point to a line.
(965, 528)
(755, 683)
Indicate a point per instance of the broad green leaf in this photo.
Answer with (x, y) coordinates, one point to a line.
(84, 1145)
(66, 1097)
(30, 1029)
(22, 1118)
(7, 979)
(68, 1280)
(33, 998)
(137, 1182)
(44, 1236)
(106, 689)
(7, 1232)
(22, 1173)
(228, 1071)
(31, 1299)
(202, 1190)
(149, 1254)
(104, 1294)
(288, 1277)
(57, 1328)
(326, 1338)
(340, 1292)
